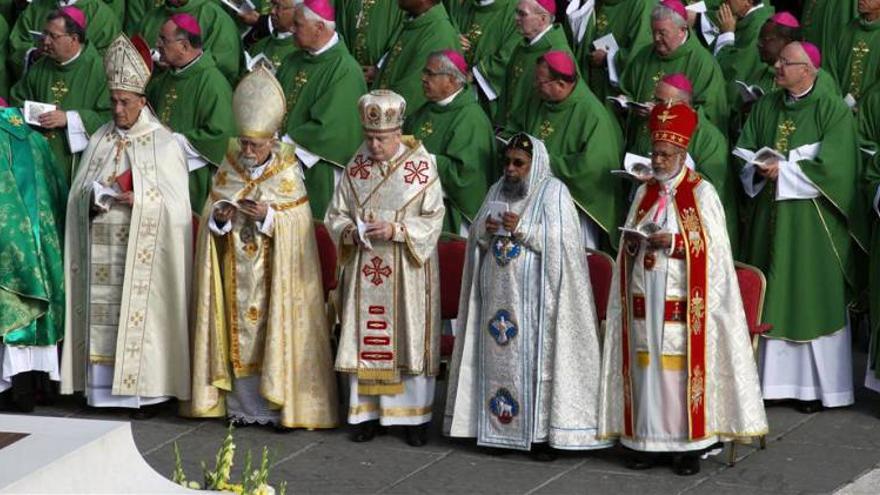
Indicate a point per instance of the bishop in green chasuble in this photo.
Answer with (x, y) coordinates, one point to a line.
(869, 137)
(584, 142)
(736, 48)
(824, 21)
(488, 39)
(32, 192)
(261, 346)
(426, 29)
(322, 83)
(194, 100)
(128, 253)
(367, 27)
(69, 76)
(454, 128)
(805, 193)
(855, 60)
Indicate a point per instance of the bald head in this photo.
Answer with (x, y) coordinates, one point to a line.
(795, 71)
(667, 93)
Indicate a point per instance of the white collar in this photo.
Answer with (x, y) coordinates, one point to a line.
(190, 64)
(280, 35)
(805, 93)
(70, 61)
(756, 7)
(330, 44)
(540, 35)
(446, 101)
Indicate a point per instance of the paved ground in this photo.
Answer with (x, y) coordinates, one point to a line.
(818, 453)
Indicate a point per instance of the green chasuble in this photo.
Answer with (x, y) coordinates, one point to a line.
(460, 136)
(807, 248)
(630, 23)
(197, 103)
(491, 30)
(275, 48)
(322, 116)
(855, 60)
(368, 26)
(4, 47)
(585, 144)
(118, 9)
(647, 68)
(80, 86)
(823, 21)
(402, 70)
(102, 26)
(869, 135)
(33, 195)
(741, 58)
(518, 89)
(135, 11)
(219, 32)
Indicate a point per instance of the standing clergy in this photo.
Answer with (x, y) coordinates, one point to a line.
(32, 193)
(534, 21)
(740, 22)
(675, 50)
(806, 193)
(70, 77)
(25, 49)
(194, 100)
(385, 218)
(127, 253)
(278, 43)
(425, 29)
(824, 21)
(261, 348)
(322, 83)
(532, 380)
(854, 60)
(367, 26)
(488, 38)
(678, 372)
(220, 40)
(454, 128)
(869, 136)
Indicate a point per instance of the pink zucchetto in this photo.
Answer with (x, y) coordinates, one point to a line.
(813, 53)
(786, 19)
(322, 8)
(548, 5)
(457, 60)
(3, 103)
(76, 15)
(188, 23)
(680, 82)
(676, 6)
(561, 62)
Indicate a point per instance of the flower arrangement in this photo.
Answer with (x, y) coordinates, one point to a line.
(253, 482)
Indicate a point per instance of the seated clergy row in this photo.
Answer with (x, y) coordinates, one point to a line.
(529, 371)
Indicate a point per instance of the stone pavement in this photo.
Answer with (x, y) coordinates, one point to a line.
(818, 453)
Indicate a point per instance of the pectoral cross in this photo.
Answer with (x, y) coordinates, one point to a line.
(546, 130)
(59, 91)
(786, 129)
(601, 23)
(427, 129)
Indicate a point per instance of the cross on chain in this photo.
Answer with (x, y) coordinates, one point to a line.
(375, 271)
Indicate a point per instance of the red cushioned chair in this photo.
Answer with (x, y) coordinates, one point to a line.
(451, 255)
(327, 254)
(752, 287)
(601, 270)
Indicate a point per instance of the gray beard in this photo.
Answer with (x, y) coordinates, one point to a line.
(514, 189)
(247, 162)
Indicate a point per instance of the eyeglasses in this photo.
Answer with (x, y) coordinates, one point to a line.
(54, 36)
(165, 41)
(431, 73)
(786, 63)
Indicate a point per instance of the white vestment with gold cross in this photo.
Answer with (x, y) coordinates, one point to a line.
(127, 270)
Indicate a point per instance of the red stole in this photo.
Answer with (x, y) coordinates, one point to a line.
(696, 249)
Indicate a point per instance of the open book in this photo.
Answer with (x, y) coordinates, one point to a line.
(251, 63)
(624, 102)
(643, 231)
(636, 168)
(749, 93)
(759, 158)
(239, 6)
(33, 109)
(36, 36)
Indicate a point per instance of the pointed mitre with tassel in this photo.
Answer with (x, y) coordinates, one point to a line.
(258, 104)
(128, 64)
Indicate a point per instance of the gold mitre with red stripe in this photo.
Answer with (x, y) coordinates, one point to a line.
(674, 124)
(382, 110)
(128, 64)
(258, 104)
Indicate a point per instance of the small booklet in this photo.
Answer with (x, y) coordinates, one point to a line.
(33, 109)
(643, 231)
(496, 210)
(36, 36)
(699, 7)
(362, 232)
(103, 194)
(749, 93)
(624, 102)
(607, 43)
(850, 101)
(636, 168)
(239, 6)
(251, 63)
(760, 157)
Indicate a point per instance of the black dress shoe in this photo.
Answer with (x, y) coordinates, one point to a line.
(686, 464)
(237, 422)
(639, 461)
(809, 406)
(23, 399)
(542, 452)
(145, 412)
(365, 431)
(280, 428)
(417, 436)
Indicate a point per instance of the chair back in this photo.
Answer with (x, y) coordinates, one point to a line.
(601, 271)
(451, 255)
(327, 255)
(752, 286)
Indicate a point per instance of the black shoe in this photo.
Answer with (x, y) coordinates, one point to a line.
(417, 436)
(145, 412)
(280, 428)
(639, 461)
(809, 406)
(23, 392)
(542, 452)
(365, 431)
(686, 464)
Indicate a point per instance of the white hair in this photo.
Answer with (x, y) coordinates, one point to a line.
(312, 16)
(663, 13)
(548, 17)
(448, 68)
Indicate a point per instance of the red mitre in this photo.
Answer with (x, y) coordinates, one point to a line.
(674, 124)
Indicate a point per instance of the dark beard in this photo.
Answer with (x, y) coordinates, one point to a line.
(514, 189)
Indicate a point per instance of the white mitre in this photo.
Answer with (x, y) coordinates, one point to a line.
(382, 110)
(258, 104)
(128, 64)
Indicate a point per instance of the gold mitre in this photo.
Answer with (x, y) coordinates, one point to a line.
(382, 110)
(128, 64)
(258, 104)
